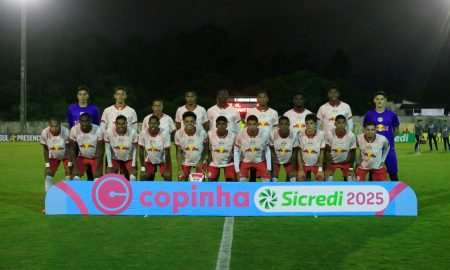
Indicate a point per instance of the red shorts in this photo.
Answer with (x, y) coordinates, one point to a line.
(315, 170)
(214, 172)
(151, 168)
(54, 164)
(83, 163)
(186, 170)
(261, 169)
(379, 174)
(123, 166)
(276, 168)
(343, 166)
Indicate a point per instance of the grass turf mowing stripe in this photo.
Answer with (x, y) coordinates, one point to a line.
(223, 260)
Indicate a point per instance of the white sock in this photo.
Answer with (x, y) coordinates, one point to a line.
(76, 178)
(132, 177)
(265, 179)
(293, 179)
(330, 178)
(243, 179)
(274, 179)
(48, 182)
(67, 177)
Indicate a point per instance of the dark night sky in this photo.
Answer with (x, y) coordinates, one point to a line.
(393, 44)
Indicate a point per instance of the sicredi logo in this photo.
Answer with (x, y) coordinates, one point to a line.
(321, 198)
(112, 194)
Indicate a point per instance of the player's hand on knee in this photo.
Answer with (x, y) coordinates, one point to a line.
(301, 175)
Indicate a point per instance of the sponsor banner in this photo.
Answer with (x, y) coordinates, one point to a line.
(114, 195)
(19, 138)
(405, 137)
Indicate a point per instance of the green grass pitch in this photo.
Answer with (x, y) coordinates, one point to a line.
(31, 240)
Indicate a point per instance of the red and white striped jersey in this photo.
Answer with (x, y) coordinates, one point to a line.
(199, 111)
(297, 118)
(252, 148)
(327, 114)
(221, 148)
(310, 147)
(283, 147)
(267, 119)
(56, 144)
(230, 112)
(154, 146)
(191, 145)
(372, 152)
(340, 146)
(121, 145)
(110, 114)
(165, 123)
(87, 142)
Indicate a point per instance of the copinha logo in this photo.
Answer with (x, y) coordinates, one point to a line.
(268, 198)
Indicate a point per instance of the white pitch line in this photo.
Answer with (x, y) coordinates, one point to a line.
(223, 260)
(412, 155)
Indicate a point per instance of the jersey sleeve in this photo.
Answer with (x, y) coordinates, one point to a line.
(320, 113)
(366, 119)
(99, 134)
(237, 141)
(178, 116)
(353, 141)
(141, 139)
(171, 124)
(73, 134)
(296, 142)
(204, 116)
(322, 144)
(104, 118)
(96, 115)
(166, 140)
(177, 138)
(349, 112)
(43, 137)
(275, 118)
(135, 137)
(145, 122)
(272, 138)
(395, 121)
(106, 136)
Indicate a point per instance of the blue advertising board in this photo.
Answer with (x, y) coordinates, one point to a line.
(112, 194)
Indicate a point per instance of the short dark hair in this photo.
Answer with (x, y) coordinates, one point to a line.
(221, 119)
(311, 117)
(252, 118)
(54, 118)
(83, 88)
(380, 93)
(261, 91)
(283, 118)
(340, 116)
(191, 114)
(191, 91)
(333, 87)
(153, 117)
(370, 123)
(120, 87)
(85, 114)
(121, 117)
(157, 99)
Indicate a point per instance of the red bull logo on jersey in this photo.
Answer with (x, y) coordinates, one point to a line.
(339, 150)
(252, 149)
(299, 125)
(310, 151)
(191, 148)
(264, 123)
(121, 148)
(283, 150)
(153, 149)
(87, 146)
(381, 127)
(56, 148)
(369, 154)
(332, 119)
(220, 150)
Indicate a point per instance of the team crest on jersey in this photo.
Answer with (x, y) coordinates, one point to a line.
(380, 119)
(191, 148)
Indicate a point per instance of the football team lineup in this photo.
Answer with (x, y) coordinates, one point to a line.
(306, 145)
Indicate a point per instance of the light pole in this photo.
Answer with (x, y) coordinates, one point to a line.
(23, 69)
